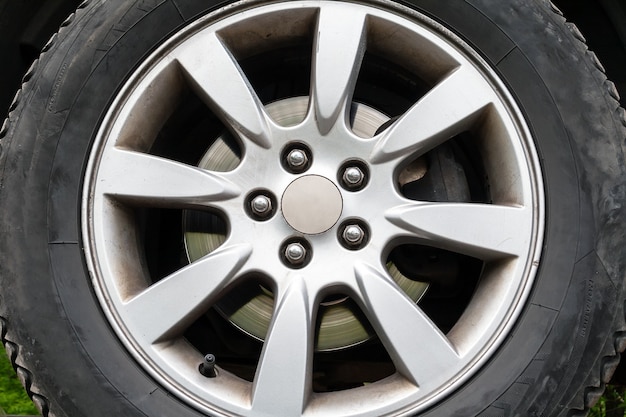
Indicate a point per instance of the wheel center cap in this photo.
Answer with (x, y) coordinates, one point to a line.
(312, 204)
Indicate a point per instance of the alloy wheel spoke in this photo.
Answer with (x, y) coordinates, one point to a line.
(168, 307)
(219, 81)
(485, 231)
(147, 179)
(336, 63)
(418, 348)
(284, 370)
(445, 111)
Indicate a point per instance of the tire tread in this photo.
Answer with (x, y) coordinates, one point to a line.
(596, 381)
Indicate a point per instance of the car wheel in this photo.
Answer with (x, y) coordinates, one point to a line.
(313, 208)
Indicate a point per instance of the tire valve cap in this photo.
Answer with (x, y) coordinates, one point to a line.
(207, 367)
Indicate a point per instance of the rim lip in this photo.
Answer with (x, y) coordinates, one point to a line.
(213, 17)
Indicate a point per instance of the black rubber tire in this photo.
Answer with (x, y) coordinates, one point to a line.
(25, 27)
(566, 343)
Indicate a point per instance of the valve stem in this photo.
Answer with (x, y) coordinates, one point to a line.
(207, 367)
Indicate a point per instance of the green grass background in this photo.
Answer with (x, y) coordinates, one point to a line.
(13, 398)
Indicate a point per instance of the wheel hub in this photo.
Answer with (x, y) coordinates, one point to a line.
(312, 204)
(339, 326)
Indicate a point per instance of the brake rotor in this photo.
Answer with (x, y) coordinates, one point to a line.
(250, 308)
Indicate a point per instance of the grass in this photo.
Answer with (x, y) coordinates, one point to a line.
(13, 398)
(611, 404)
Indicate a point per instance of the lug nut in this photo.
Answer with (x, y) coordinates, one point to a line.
(353, 177)
(261, 205)
(353, 235)
(297, 159)
(295, 253)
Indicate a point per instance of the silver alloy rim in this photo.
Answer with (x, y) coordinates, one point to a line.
(151, 316)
